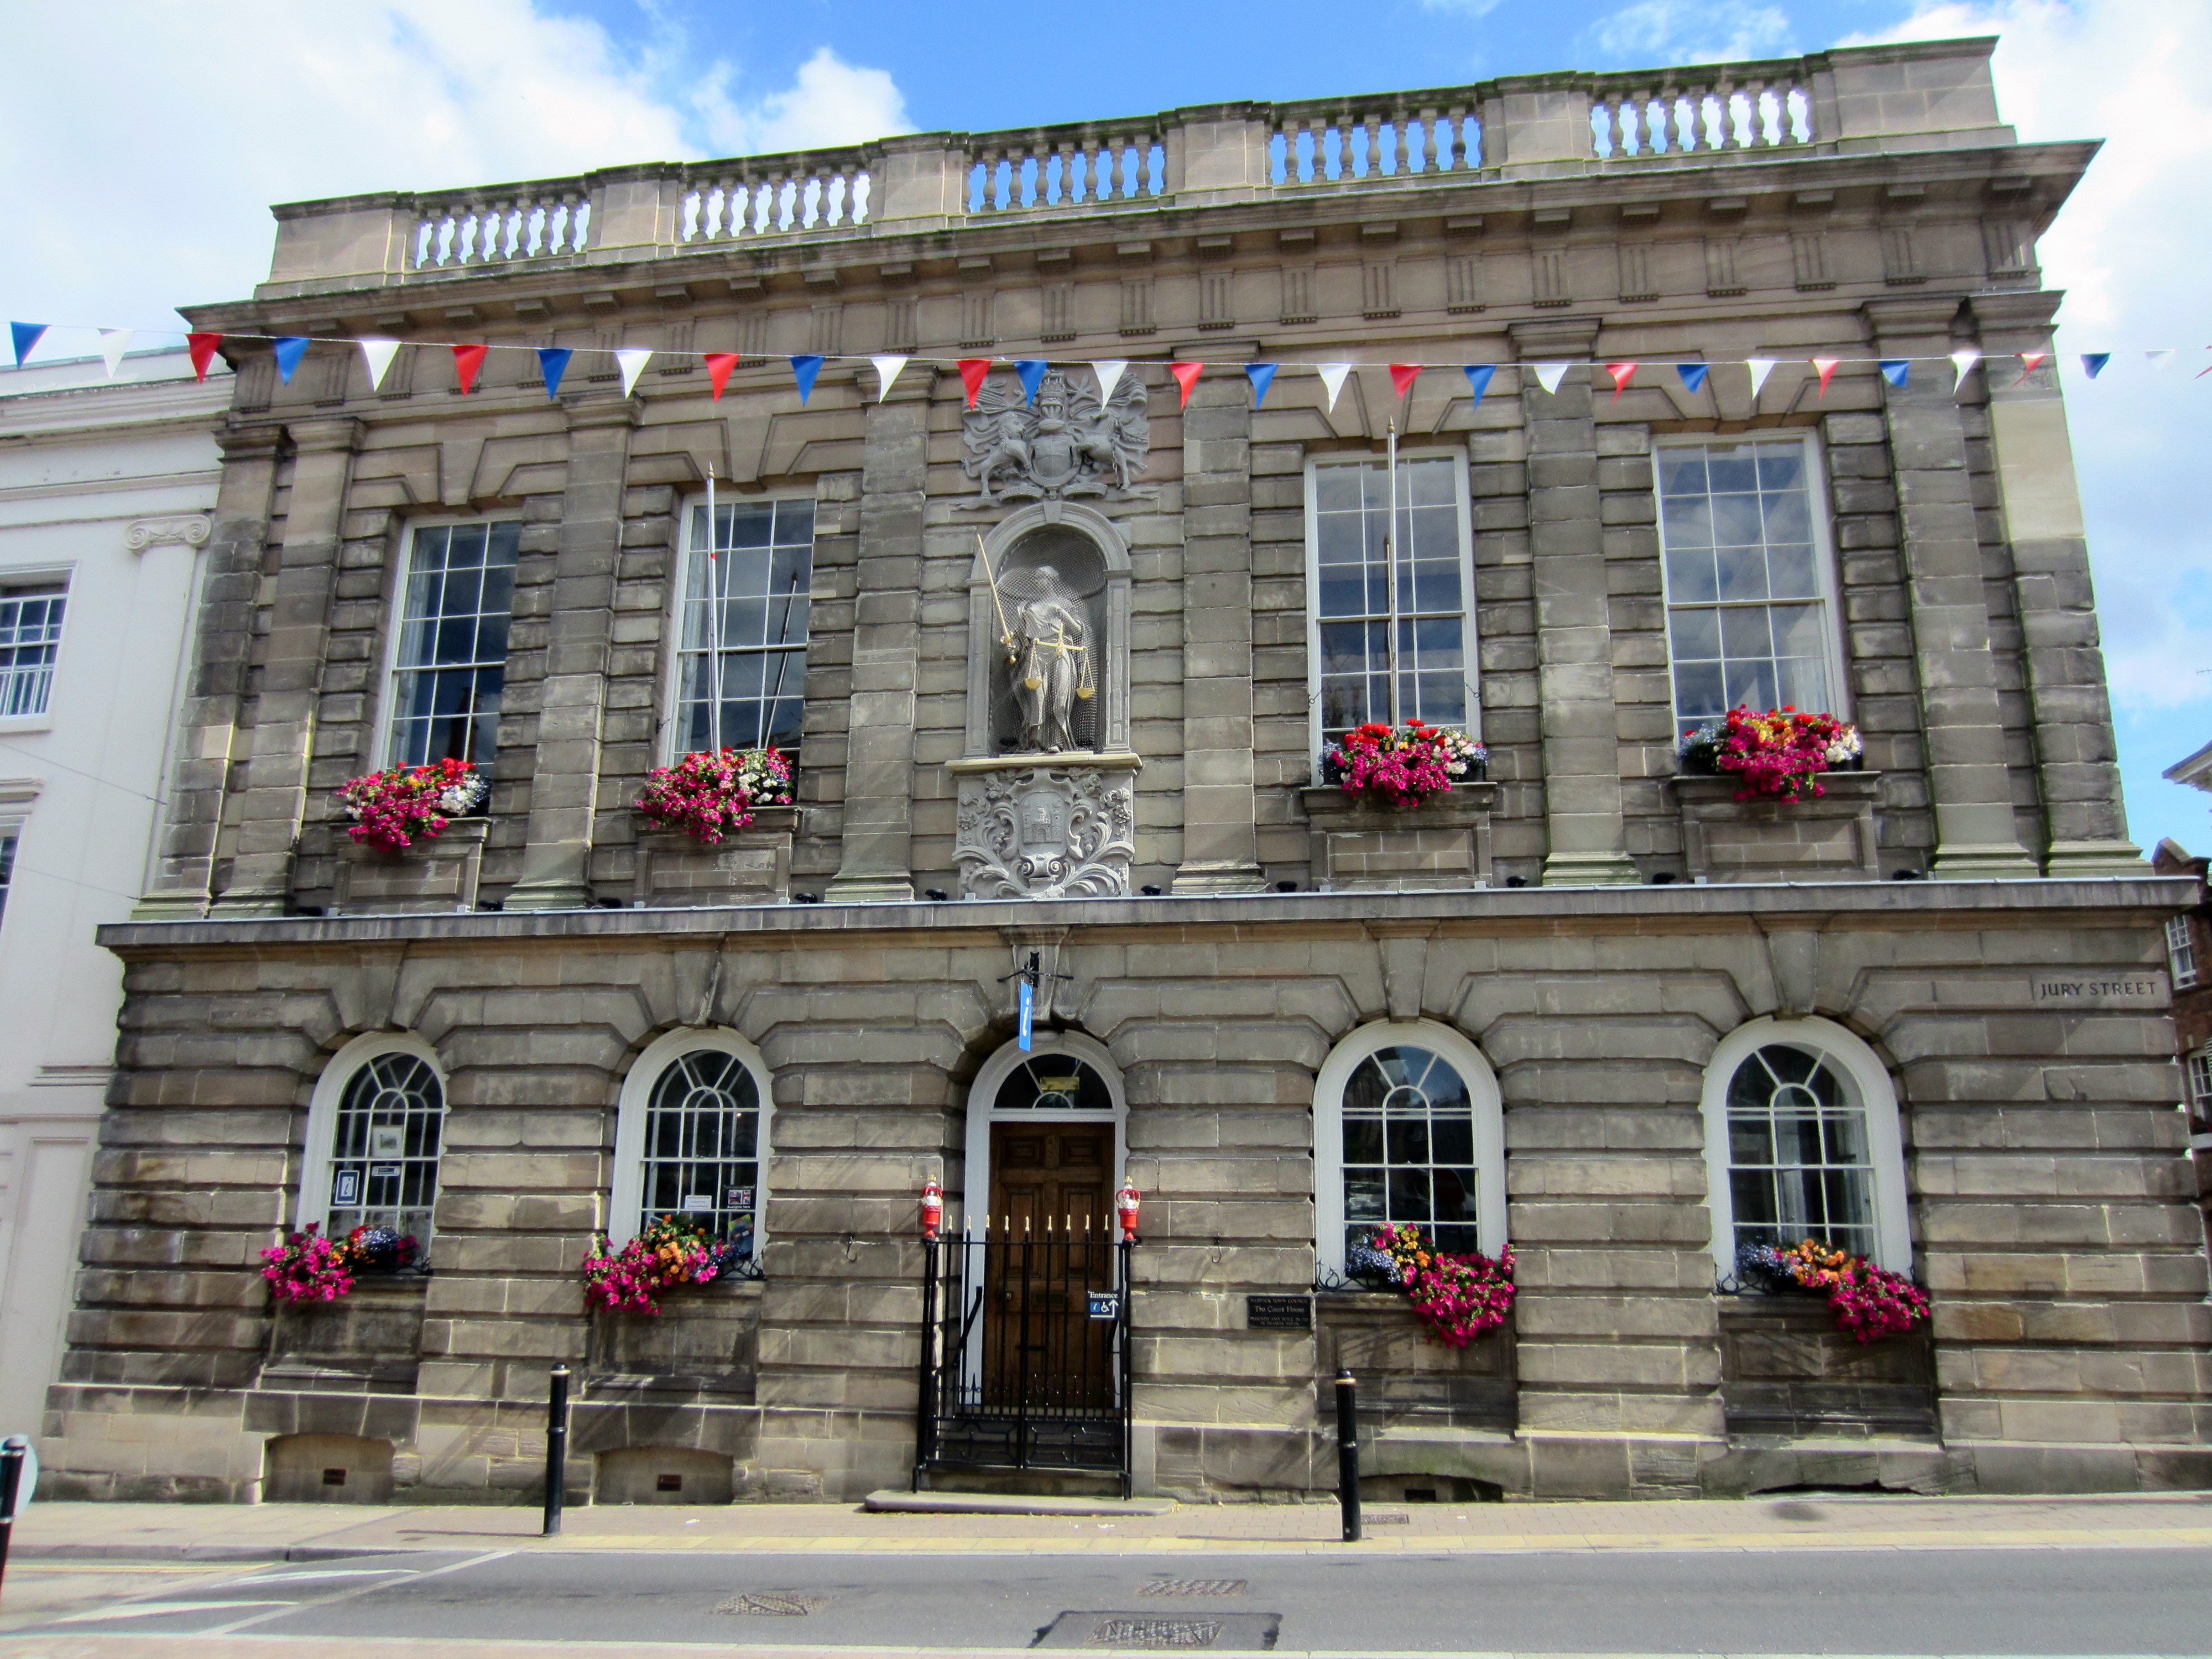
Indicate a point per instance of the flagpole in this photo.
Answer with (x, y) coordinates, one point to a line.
(1390, 568)
(714, 613)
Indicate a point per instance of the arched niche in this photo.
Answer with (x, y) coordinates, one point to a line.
(1083, 545)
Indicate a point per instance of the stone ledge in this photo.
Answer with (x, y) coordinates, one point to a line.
(2005, 900)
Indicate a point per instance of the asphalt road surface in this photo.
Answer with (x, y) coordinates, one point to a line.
(2045, 1600)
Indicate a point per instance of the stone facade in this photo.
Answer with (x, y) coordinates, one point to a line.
(1587, 927)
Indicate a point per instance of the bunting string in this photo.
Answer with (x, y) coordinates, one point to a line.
(379, 353)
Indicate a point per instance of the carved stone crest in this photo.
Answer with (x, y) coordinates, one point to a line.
(1065, 444)
(1046, 832)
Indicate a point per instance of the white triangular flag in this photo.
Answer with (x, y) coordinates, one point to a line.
(1548, 375)
(2160, 359)
(377, 352)
(1110, 374)
(1333, 376)
(632, 360)
(113, 342)
(887, 370)
(1760, 368)
(1963, 362)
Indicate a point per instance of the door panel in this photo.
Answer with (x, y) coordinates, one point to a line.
(1052, 1201)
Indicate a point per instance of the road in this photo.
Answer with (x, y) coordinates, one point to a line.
(1332, 1600)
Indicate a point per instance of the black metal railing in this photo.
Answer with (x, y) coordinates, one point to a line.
(1026, 1361)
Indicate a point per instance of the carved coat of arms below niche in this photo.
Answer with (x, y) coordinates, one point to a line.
(1063, 443)
(1046, 831)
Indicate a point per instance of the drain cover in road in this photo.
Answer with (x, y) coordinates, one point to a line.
(773, 1604)
(1191, 1587)
(1155, 1632)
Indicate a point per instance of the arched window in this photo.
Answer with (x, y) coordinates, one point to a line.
(1802, 1141)
(692, 1139)
(375, 1127)
(1047, 1137)
(1407, 1128)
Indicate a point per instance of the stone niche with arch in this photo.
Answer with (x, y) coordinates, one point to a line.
(1034, 824)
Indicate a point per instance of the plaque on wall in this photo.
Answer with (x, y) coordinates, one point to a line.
(1279, 1313)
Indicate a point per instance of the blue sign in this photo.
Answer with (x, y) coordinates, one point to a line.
(1028, 998)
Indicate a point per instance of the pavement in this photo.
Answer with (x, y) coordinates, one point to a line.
(87, 1533)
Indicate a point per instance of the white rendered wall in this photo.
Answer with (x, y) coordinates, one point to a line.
(87, 467)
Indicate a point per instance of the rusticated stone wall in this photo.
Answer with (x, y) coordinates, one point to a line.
(2053, 1220)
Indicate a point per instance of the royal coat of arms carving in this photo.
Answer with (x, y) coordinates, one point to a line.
(1064, 444)
(1046, 832)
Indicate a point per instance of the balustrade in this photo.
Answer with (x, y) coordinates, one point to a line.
(1761, 107)
(773, 195)
(1066, 167)
(537, 221)
(1336, 143)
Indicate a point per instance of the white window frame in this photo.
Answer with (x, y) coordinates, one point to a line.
(11, 851)
(315, 1200)
(1869, 1080)
(14, 581)
(2181, 951)
(626, 1199)
(2196, 1080)
(1824, 557)
(396, 628)
(1470, 640)
(669, 745)
(983, 1112)
(1491, 1228)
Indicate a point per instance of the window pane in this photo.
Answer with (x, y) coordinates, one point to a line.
(30, 638)
(1799, 1163)
(452, 665)
(761, 575)
(384, 1151)
(1409, 1147)
(1352, 585)
(1753, 503)
(703, 1148)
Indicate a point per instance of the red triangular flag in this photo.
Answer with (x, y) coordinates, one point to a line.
(1402, 376)
(972, 371)
(719, 365)
(1186, 377)
(202, 346)
(1622, 374)
(467, 359)
(2029, 362)
(1826, 368)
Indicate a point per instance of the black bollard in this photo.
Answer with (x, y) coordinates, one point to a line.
(556, 1448)
(1347, 1453)
(11, 1478)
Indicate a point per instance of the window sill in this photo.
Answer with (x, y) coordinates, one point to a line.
(15, 723)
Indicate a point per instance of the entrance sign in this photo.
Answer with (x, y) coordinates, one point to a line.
(1105, 1305)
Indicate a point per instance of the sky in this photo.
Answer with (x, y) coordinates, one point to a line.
(136, 172)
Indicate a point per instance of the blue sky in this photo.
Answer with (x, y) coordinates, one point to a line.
(151, 188)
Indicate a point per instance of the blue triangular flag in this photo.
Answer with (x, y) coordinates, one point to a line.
(1031, 369)
(1895, 370)
(1262, 376)
(27, 336)
(553, 362)
(1478, 378)
(290, 347)
(2092, 363)
(1693, 375)
(803, 370)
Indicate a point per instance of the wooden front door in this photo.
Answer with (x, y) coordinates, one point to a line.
(1051, 1207)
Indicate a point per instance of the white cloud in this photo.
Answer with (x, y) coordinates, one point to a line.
(2131, 250)
(832, 102)
(1463, 8)
(1692, 31)
(138, 175)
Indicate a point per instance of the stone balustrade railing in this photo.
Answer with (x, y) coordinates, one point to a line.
(1921, 95)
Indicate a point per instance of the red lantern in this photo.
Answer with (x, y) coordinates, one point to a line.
(933, 1208)
(1125, 1210)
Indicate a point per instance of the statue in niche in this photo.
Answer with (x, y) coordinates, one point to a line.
(1065, 444)
(1051, 655)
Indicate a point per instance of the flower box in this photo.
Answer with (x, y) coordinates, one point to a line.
(751, 865)
(1827, 837)
(1360, 846)
(437, 874)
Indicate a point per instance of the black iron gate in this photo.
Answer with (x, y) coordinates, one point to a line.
(1025, 1355)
